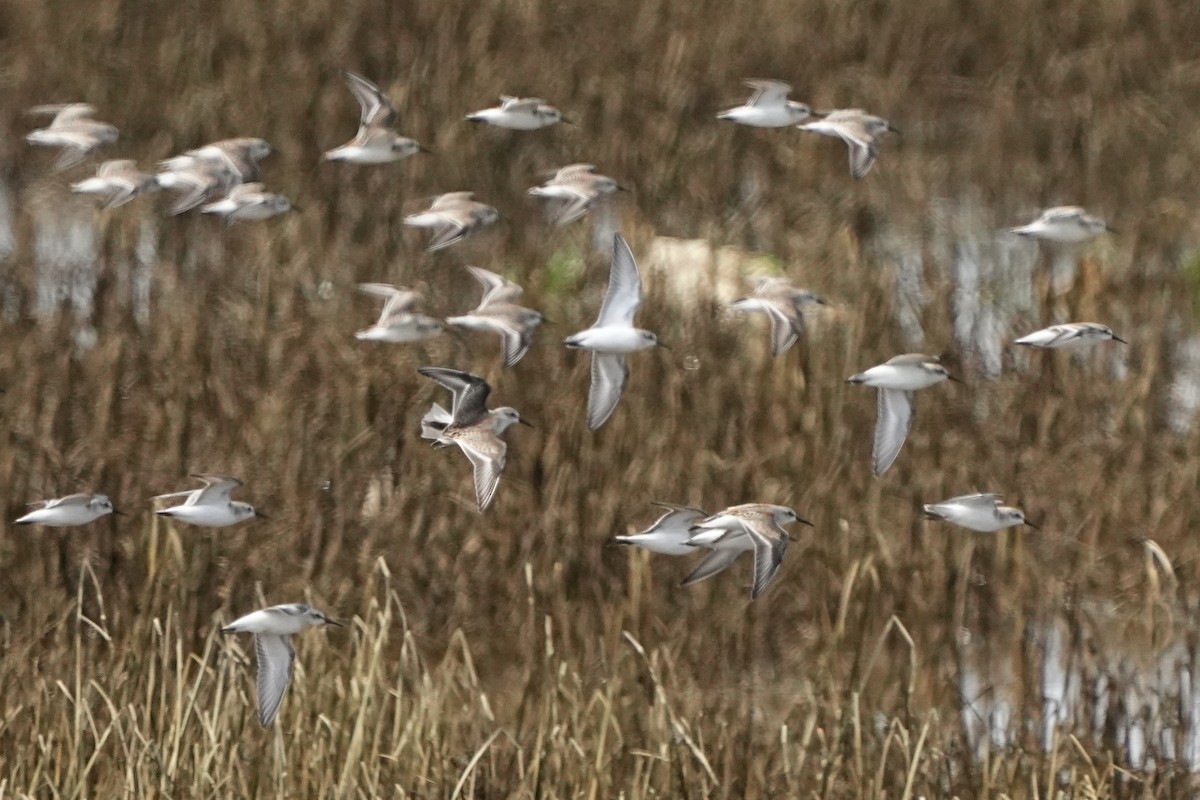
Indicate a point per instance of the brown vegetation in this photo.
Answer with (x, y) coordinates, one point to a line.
(513, 654)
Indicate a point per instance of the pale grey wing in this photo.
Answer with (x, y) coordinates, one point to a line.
(117, 168)
(74, 150)
(526, 105)
(715, 562)
(892, 422)
(572, 170)
(217, 489)
(684, 515)
(70, 501)
(609, 375)
(200, 192)
(275, 657)
(516, 343)
(470, 393)
(377, 110)
(770, 543)
(986, 500)
(487, 457)
(453, 232)
(450, 199)
(121, 195)
(785, 328)
(574, 209)
(624, 287)
(863, 153)
(768, 93)
(496, 289)
(1063, 214)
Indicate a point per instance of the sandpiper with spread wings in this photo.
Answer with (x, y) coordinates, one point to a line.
(576, 189)
(1065, 225)
(273, 629)
(768, 107)
(203, 173)
(399, 322)
(469, 424)
(249, 201)
(73, 130)
(977, 512)
(496, 313)
(118, 181)
(752, 527)
(859, 130)
(210, 506)
(520, 114)
(784, 304)
(1070, 335)
(74, 509)
(669, 534)
(453, 217)
(898, 380)
(613, 336)
(377, 141)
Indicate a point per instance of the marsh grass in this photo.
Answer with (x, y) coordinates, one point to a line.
(513, 654)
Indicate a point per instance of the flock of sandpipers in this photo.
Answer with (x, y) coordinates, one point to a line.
(221, 178)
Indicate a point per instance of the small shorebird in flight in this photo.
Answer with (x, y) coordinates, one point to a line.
(768, 107)
(273, 629)
(377, 141)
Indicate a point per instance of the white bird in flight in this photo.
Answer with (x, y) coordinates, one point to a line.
(768, 107)
(210, 506)
(73, 130)
(74, 509)
(520, 114)
(613, 336)
(497, 313)
(1065, 225)
(377, 141)
(669, 534)
(1069, 335)
(898, 380)
(399, 321)
(273, 629)
(784, 304)
(752, 527)
(859, 130)
(977, 512)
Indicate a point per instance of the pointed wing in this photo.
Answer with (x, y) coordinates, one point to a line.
(450, 200)
(217, 489)
(275, 657)
(768, 93)
(572, 171)
(715, 562)
(785, 327)
(522, 105)
(571, 210)
(770, 543)
(624, 287)
(116, 168)
(516, 342)
(470, 393)
(894, 418)
(398, 299)
(496, 288)
(70, 501)
(609, 375)
(453, 232)
(486, 451)
(986, 500)
(377, 110)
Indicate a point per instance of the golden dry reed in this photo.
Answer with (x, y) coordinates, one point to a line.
(514, 654)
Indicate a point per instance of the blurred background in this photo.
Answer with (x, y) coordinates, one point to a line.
(514, 653)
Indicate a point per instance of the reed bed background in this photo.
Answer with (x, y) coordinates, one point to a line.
(514, 654)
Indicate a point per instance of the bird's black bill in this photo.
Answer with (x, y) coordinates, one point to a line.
(526, 423)
(260, 515)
